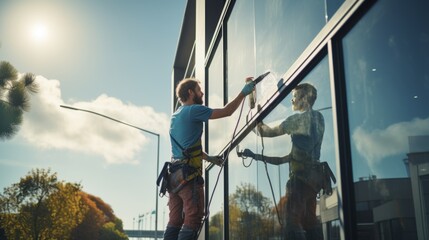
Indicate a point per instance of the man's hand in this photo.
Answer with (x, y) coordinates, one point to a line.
(248, 88)
(215, 160)
(258, 128)
(248, 153)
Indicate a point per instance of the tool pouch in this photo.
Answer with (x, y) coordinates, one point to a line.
(312, 176)
(179, 175)
(163, 179)
(176, 178)
(327, 176)
(318, 176)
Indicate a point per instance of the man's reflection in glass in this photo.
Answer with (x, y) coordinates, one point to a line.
(306, 129)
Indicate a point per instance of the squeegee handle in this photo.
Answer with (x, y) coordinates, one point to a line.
(258, 79)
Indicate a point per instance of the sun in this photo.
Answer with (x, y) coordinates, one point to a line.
(39, 32)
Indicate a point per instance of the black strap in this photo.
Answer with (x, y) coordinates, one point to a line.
(186, 151)
(163, 172)
(163, 177)
(177, 143)
(331, 174)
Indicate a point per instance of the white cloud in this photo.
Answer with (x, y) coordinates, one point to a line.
(380, 143)
(47, 125)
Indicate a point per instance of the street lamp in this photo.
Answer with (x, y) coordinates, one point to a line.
(157, 155)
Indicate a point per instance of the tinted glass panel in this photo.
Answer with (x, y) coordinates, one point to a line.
(270, 36)
(386, 68)
(283, 29)
(258, 192)
(216, 142)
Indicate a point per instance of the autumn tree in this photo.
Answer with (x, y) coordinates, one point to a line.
(113, 231)
(14, 98)
(66, 211)
(235, 219)
(99, 221)
(281, 211)
(112, 228)
(40, 207)
(251, 216)
(92, 222)
(105, 208)
(253, 212)
(216, 226)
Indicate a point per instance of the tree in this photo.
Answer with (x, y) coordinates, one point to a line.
(105, 208)
(250, 200)
(40, 207)
(253, 213)
(110, 231)
(66, 209)
(112, 228)
(216, 226)
(14, 98)
(99, 221)
(92, 222)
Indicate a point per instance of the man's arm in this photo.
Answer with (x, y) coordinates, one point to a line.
(266, 131)
(269, 159)
(230, 108)
(213, 159)
(273, 160)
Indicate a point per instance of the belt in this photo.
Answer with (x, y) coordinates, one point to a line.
(178, 160)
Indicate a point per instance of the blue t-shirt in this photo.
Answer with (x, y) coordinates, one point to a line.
(187, 126)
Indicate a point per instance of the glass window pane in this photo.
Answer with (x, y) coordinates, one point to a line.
(283, 29)
(243, 216)
(270, 36)
(294, 141)
(216, 143)
(387, 76)
(216, 100)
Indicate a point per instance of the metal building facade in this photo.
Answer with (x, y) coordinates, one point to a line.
(369, 60)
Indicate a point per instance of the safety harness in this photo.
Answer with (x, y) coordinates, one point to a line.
(178, 172)
(317, 175)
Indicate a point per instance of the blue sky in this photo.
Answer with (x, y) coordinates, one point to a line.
(110, 57)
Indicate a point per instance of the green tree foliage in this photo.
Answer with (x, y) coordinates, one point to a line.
(251, 216)
(249, 200)
(99, 222)
(40, 207)
(216, 226)
(66, 211)
(92, 222)
(14, 98)
(110, 231)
